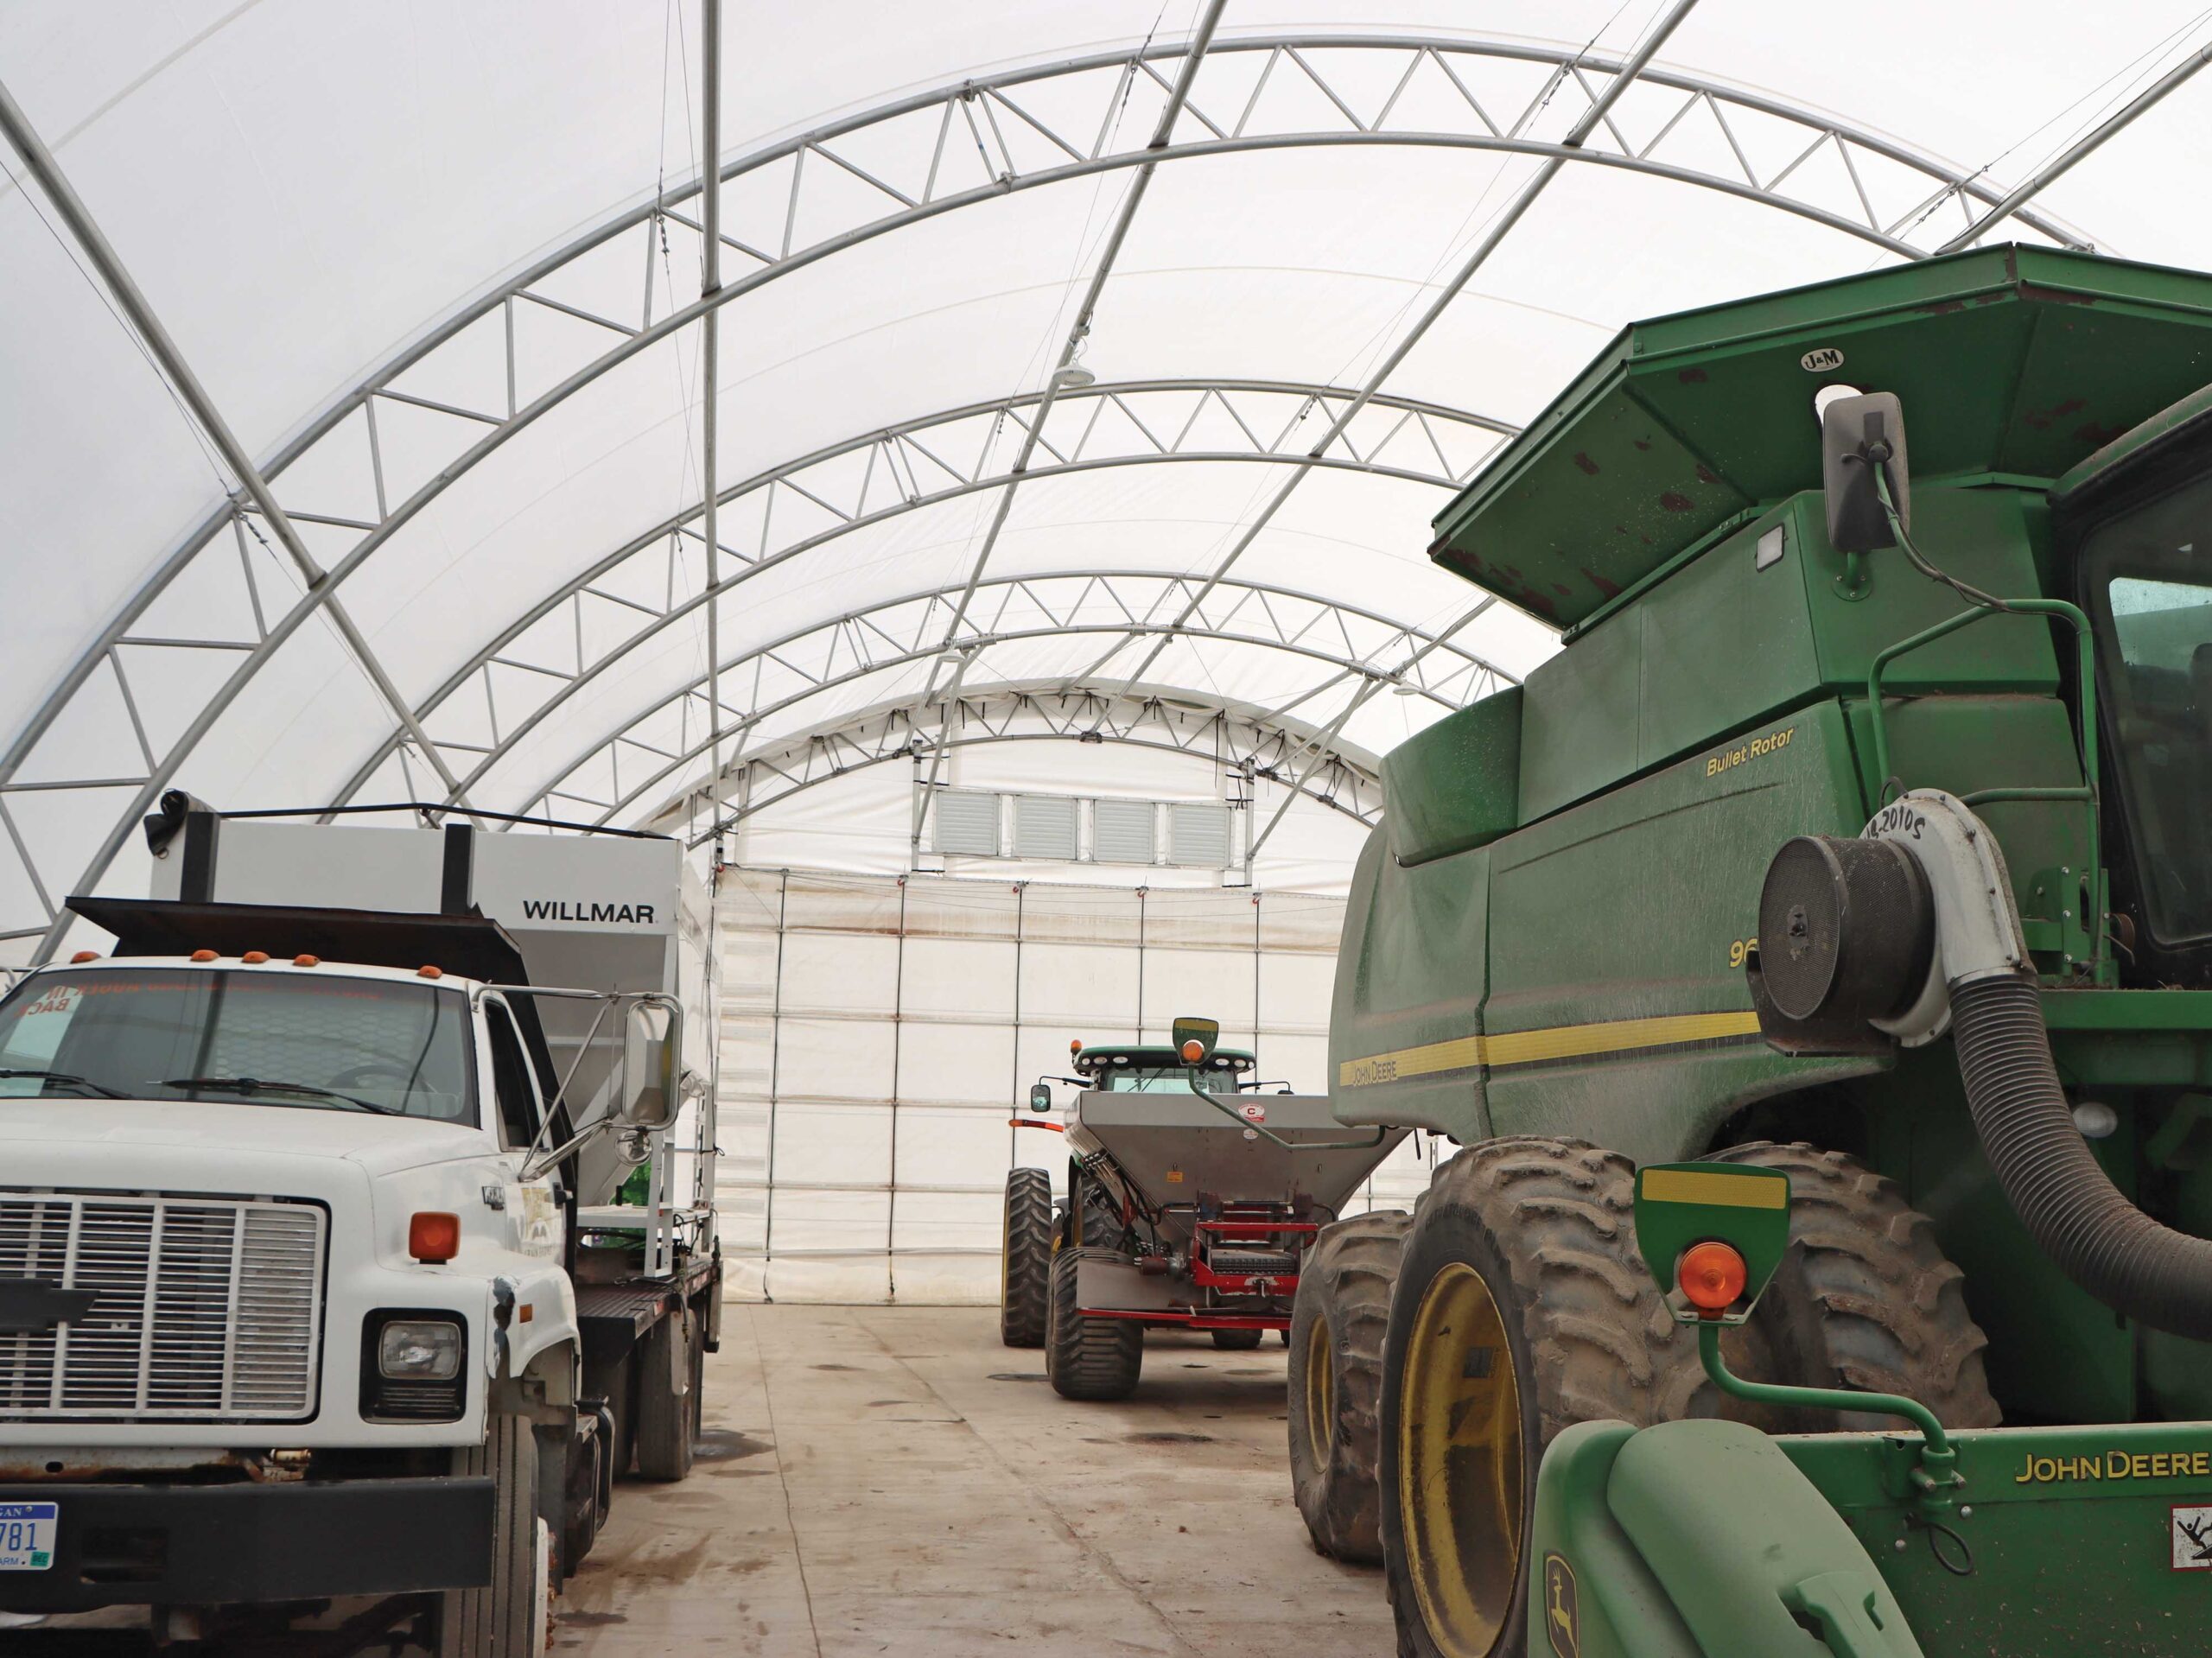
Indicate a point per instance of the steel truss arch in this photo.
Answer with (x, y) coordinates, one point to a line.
(983, 112)
(1271, 416)
(860, 643)
(1228, 733)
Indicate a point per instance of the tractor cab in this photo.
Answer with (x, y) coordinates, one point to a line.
(1158, 1068)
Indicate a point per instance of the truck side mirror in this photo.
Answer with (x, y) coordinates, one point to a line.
(651, 1039)
(1041, 1097)
(1858, 435)
(1195, 1039)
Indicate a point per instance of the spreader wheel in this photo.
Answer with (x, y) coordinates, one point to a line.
(1026, 1264)
(1238, 1341)
(1521, 1307)
(1337, 1327)
(1866, 1298)
(1088, 1358)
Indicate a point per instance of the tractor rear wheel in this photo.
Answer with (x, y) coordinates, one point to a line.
(1337, 1327)
(1521, 1307)
(1088, 1358)
(1238, 1341)
(1025, 1265)
(1865, 1299)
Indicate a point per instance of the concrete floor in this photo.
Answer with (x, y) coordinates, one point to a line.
(890, 1480)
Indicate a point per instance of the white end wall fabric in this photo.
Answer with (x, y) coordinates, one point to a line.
(876, 1035)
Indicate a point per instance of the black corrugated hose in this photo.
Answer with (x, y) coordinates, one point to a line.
(2154, 1274)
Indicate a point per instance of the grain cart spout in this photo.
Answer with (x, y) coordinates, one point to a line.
(1192, 1199)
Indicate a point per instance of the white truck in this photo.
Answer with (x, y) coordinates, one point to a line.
(349, 1247)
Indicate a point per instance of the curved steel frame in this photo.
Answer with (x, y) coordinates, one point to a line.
(1249, 615)
(1224, 733)
(907, 461)
(987, 110)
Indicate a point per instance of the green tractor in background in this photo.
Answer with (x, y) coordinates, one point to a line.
(1849, 870)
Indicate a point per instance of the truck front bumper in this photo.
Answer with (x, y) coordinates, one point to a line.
(214, 1545)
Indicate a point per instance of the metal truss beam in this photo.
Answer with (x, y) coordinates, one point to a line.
(904, 472)
(1596, 118)
(990, 143)
(1224, 734)
(826, 657)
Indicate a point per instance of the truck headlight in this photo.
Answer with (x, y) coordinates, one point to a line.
(414, 1365)
(419, 1350)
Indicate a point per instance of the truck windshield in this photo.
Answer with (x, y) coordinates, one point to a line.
(321, 1042)
(2148, 577)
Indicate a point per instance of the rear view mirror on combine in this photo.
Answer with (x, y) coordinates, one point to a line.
(1041, 1097)
(650, 1041)
(1195, 1038)
(1712, 1234)
(1858, 435)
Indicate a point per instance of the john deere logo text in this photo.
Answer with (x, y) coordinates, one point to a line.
(2116, 1464)
(1758, 748)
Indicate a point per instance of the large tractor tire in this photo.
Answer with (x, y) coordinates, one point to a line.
(1337, 1329)
(1025, 1261)
(1088, 1358)
(1238, 1341)
(1522, 1307)
(667, 1395)
(1865, 1299)
(507, 1617)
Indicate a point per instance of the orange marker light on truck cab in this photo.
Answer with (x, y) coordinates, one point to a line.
(305, 960)
(254, 957)
(1711, 1276)
(434, 1236)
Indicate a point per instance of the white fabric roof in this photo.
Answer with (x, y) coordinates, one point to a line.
(413, 254)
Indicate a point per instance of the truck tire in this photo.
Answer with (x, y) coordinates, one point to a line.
(1866, 1298)
(1336, 1326)
(667, 1398)
(1025, 1263)
(506, 1619)
(1522, 1306)
(1238, 1341)
(1088, 1358)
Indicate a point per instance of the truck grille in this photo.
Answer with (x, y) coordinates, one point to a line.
(204, 1309)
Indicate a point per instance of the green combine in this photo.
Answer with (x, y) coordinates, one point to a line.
(1846, 879)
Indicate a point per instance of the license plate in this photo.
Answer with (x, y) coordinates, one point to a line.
(26, 1534)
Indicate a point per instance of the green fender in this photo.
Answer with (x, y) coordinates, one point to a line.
(1696, 1540)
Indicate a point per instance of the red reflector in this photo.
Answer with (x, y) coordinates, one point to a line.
(1711, 1276)
(434, 1236)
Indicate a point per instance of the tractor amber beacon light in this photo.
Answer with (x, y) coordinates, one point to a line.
(1711, 1276)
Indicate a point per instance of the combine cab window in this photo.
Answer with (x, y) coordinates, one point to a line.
(316, 1041)
(2149, 580)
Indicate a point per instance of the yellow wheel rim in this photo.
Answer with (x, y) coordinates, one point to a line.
(1320, 1390)
(1459, 1464)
